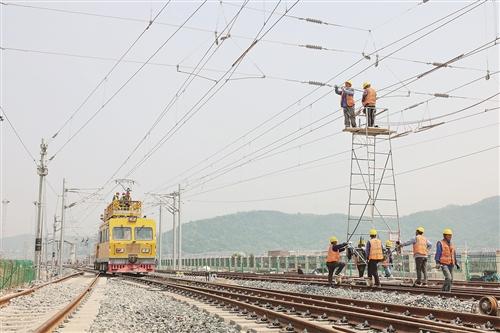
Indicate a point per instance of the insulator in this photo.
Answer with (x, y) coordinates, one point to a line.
(316, 47)
(487, 75)
(439, 64)
(316, 83)
(413, 106)
(313, 20)
(376, 60)
(366, 56)
(441, 95)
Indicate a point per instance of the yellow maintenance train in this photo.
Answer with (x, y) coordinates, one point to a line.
(126, 240)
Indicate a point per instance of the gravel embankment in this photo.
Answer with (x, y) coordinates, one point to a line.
(130, 308)
(449, 304)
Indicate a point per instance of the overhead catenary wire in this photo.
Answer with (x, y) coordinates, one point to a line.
(229, 167)
(464, 9)
(16, 133)
(330, 189)
(126, 82)
(307, 162)
(108, 73)
(203, 100)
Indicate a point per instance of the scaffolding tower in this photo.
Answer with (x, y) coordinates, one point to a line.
(372, 191)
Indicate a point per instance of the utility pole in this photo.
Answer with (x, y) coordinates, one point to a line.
(54, 245)
(61, 231)
(174, 238)
(42, 172)
(179, 241)
(4, 218)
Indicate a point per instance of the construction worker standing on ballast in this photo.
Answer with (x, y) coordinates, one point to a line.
(333, 259)
(421, 247)
(446, 258)
(388, 260)
(347, 103)
(375, 254)
(369, 100)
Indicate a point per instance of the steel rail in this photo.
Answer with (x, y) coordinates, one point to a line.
(6, 299)
(419, 312)
(461, 293)
(347, 315)
(53, 322)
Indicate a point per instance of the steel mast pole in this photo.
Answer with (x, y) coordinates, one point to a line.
(61, 231)
(174, 230)
(179, 240)
(42, 172)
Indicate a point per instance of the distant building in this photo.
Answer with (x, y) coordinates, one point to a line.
(278, 253)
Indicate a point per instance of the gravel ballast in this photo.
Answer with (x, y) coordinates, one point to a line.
(131, 308)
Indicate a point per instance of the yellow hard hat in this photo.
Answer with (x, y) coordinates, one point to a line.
(333, 239)
(366, 84)
(447, 231)
(388, 243)
(349, 81)
(420, 229)
(373, 232)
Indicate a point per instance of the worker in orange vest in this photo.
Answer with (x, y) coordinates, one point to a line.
(421, 247)
(375, 254)
(388, 260)
(347, 103)
(446, 258)
(333, 259)
(369, 99)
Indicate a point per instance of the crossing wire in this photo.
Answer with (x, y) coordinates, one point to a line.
(330, 189)
(107, 75)
(465, 8)
(229, 167)
(127, 81)
(21, 141)
(193, 110)
(318, 159)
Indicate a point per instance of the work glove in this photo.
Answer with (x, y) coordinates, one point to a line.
(457, 266)
(438, 266)
(398, 243)
(336, 86)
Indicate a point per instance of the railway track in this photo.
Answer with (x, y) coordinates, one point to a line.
(47, 306)
(295, 312)
(460, 292)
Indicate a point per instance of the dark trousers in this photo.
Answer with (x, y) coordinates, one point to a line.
(373, 271)
(361, 270)
(331, 268)
(421, 266)
(370, 115)
(448, 277)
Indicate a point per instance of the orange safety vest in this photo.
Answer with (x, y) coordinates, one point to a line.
(349, 100)
(447, 253)
(420, 246)
(333, 256)
(376, 251)
(370, 98)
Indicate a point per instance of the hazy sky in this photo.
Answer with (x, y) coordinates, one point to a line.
(53, 59)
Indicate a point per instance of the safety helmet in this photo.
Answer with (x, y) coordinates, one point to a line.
(373, 232)
(388, 243)
(349, 81)
(333, 239)
(366, 84)
(447, 231)
(420, 229)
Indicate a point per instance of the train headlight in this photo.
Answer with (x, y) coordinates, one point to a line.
(145, 250)
(119, 250)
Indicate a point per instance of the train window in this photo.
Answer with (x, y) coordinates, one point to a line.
(143, 233)
(122, 233)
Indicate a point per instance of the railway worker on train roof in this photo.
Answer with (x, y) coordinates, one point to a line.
(421, 247)
(333, 259)
(116, 196)
(446, 258)
(375, 254)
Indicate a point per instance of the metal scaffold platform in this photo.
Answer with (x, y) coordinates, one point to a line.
(372, 191)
